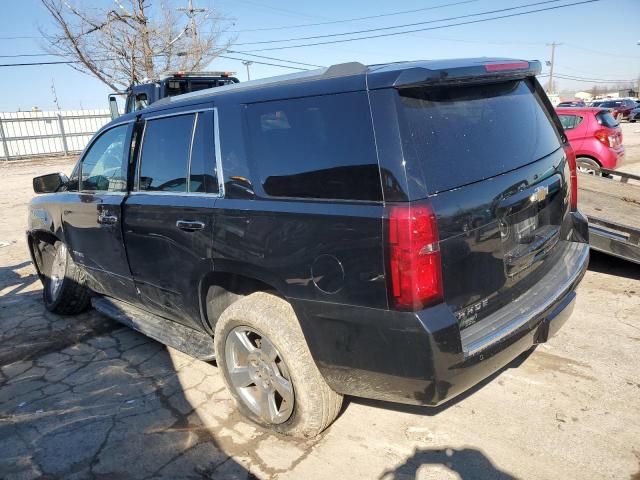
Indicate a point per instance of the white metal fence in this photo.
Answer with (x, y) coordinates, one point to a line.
(31, 134)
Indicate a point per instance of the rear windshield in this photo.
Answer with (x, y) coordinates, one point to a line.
(464, 134)
(610, 104)
(606, 119)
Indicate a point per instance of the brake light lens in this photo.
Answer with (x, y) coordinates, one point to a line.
(608, 137)
(501, 67)
(414, 257)
(571, 161)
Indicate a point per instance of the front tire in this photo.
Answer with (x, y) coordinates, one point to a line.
(267, 366)
(64, 290)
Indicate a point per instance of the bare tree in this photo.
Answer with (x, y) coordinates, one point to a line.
(133, 40)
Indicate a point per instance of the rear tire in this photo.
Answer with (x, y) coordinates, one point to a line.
(64, 291)
(589, 166)
(260, 348)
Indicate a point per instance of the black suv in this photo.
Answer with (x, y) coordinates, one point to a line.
(397, 232)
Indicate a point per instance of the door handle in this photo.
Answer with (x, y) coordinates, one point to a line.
(107, 219)
(189, 226)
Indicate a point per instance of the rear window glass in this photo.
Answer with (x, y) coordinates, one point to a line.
(606, 119)
(315, 147)
(464, 134)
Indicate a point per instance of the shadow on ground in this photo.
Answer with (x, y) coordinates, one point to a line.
(468, 463)
(83, 397)
(603, 263)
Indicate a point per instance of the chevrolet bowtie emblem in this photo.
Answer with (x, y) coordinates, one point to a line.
(539, 194)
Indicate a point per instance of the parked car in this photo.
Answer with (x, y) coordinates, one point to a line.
(595, 136)
(634, 115)
(572, 103)
(397, 232)
(620, 109)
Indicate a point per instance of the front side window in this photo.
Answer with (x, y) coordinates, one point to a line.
(164, 161)
(315, 147)
(102, 167)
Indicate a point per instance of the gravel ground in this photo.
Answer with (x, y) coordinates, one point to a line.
(83, 397)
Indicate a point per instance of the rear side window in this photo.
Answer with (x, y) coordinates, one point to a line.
(315, 147)
(570, 121)
(165, 154)
(606, 119)
(464, 134)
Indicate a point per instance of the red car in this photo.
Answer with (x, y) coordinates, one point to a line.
(595, 136)
(620, 109)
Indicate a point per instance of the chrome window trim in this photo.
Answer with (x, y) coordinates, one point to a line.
(178, 194)
(139, 159)
(176, 114)
(218, 152)
(193, 135)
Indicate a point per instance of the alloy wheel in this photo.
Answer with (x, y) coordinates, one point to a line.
(259, 375)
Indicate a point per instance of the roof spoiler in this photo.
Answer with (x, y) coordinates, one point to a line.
(479, 72)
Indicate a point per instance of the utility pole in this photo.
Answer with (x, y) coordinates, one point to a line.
(191, 12)
(246, 63)
(553, 46)
(55, 96)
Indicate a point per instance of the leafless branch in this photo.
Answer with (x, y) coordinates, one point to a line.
(133, 40)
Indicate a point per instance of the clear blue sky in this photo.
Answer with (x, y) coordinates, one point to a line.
(599, 41)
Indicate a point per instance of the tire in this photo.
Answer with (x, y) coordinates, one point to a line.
(259, 316)
(589, 166)
(64, 290)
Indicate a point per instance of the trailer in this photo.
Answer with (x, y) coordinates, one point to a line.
(612, 206)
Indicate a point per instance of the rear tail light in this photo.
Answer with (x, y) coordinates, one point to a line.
(608, 137)
(571, 161)
(415, 271)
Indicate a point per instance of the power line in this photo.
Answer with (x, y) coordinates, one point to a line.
(19, 55)
(332, 22)
(469, 22)
(261, 63)
(599, 52)
(277, 59)
(595, 80)
(369, 30)
(69, 62)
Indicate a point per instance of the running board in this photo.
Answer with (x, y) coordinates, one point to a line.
(187, 340)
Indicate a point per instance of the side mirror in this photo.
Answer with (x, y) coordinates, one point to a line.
(113, 107)
(50, 183)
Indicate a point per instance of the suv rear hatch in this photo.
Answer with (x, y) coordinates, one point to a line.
(492, 164)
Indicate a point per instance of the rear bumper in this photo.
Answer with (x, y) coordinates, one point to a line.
(420, 358)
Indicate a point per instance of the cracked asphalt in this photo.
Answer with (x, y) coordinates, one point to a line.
(83, 397)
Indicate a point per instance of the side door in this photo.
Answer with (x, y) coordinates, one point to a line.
(92, 213)
(169, 216)
(575, 126)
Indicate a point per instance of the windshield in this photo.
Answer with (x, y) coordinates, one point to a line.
(475, 131)
(610, 104)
